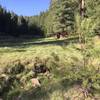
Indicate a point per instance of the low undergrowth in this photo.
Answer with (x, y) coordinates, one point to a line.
(17, 84)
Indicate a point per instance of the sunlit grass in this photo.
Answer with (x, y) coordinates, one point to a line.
(27, 53)
(61, 59)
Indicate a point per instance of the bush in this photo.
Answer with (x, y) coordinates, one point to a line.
(16, 68)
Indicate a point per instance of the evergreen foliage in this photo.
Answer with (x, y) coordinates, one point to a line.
(60, 17)
(64, 16)
(13, 25)
(66, 62)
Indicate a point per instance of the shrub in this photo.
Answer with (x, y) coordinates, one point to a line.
(16, 68)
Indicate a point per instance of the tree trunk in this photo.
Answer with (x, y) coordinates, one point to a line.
(82, 8)
(82, 14)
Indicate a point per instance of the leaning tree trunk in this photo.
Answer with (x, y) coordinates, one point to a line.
(82, 14)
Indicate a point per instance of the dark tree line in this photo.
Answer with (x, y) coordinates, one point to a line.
(14, 25)
(60, 17)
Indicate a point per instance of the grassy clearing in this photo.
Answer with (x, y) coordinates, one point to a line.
(28, 52)
(66, 62)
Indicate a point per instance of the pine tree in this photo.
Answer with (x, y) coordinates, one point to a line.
(61, 16)
(50, 17)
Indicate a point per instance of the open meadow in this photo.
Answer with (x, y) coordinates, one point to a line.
(65, 60)
(50, 50)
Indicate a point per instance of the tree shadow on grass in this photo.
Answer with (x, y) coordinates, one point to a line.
(12, 51)
(40, 43)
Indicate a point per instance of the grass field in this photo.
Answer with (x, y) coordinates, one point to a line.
(42, 48)
(62, 54)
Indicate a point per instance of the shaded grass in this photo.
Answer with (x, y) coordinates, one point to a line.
(38, 42)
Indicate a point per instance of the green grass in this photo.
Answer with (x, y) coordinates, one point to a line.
(9, 53)
(28, 52)
(63, 59)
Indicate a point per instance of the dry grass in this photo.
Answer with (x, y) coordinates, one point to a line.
(66, 53)
(64, 56)
(42, 52)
